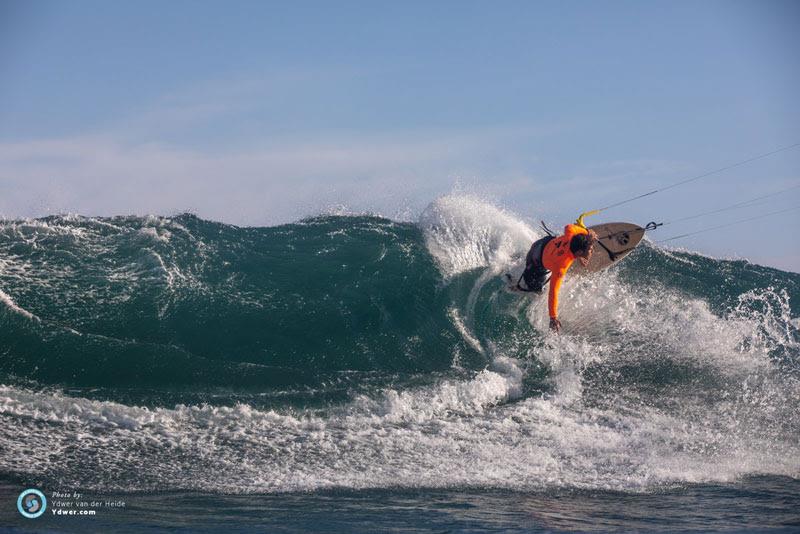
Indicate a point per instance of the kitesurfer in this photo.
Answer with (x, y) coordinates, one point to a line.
(554, 255)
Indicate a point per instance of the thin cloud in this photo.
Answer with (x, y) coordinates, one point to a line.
(264, 185)
(162, 160)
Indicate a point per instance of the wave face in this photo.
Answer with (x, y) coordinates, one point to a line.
(177, 353)
(168, 302)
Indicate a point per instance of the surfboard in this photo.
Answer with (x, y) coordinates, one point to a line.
(615, 241)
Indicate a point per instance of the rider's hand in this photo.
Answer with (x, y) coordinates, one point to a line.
(555, 324)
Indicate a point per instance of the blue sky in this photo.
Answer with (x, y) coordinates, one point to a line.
(264, 112)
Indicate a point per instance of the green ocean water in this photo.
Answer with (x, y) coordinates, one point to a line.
(358, 354)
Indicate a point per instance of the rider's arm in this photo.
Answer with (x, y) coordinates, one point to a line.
(555, 286)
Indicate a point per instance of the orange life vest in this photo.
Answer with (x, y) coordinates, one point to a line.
(556, 258)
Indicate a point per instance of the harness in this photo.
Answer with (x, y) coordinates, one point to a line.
(537, 249)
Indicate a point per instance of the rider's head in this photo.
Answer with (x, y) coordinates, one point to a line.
(581, 245)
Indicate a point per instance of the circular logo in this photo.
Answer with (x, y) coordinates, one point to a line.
(31, 503)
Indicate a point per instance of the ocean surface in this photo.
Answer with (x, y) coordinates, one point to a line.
(353, 373)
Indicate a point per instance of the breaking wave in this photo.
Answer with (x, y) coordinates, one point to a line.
(151, 353)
